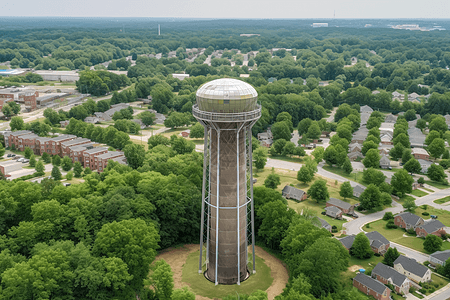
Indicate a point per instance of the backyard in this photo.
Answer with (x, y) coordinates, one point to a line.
(399, 236)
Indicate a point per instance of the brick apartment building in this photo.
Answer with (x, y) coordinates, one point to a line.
(65, 146)
(89, 157)
(13, 137)
(102, 160)
(21, 96)
(26, 140)
(76, 153)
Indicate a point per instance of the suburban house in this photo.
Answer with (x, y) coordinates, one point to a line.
(384, 151)
(324, 224)
(364, 118)
(412, 269)
(378, 243)
(416, 137)
(266, 143)
(420, 153)
(290, 192)
(355, 147)
(386, 139)
(398, 95)
(370, 286)
(355, 155)
(385, 163)
(346, 207)
(412, 124)
(186, 133)
(389, 275)
(434, 227)
(424, 164)
(365, 109)
(407, 220)
(334, 212)
(360, 135)
(390, 118)
(439, 257)
(358, 190)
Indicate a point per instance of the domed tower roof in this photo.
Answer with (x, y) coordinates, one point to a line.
(227, 95)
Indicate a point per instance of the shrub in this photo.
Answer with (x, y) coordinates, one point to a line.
(412, 289)
(388, 216)
(334, 230)
(426, 263)
(367, 225)
(423, 291)
(411, 231)
(425, 213)
(377, 254)
(390, 224)
(431, 290)
(425, 207)
(421, 180)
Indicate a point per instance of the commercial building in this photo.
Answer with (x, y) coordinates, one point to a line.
(24, 96)
(9, 166)
(58, 75)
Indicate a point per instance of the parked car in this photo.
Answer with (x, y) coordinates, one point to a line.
(17, 157)
(9, 155)
(21, 159)
(434, 217)
(25, 160)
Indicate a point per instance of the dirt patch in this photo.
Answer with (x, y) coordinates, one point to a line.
(176, 258)
(355, 268)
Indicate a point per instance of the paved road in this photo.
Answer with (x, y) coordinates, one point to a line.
(420, 257)
(442, 294)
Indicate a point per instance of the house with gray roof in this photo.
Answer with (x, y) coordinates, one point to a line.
(424, 164)
(324, 224)
(360, 135)
(385, 162)
(398, 95)
(412, 269)
(355, 147)
(407, 220)
(390, 118)
(370, 286)
(346, 207)
(366, 109)
(358, 190)
(347, 241)
(334, 212)
(388, 275)
(439, 258)
(386, 138)
(290, 192)
(378, 242)
(416, 137)
(353, 156)
(364, 118)
(434, 227)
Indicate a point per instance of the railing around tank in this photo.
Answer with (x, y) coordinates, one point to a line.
(226, 117)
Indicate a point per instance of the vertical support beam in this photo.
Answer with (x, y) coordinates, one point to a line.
(209, 197)
(217, 205)
(202, 226)
(252, 205)
(246, 195)
(238, 210)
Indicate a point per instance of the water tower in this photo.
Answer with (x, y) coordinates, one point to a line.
(227, 108)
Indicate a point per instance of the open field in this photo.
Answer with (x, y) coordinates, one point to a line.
(271, 276)
(399, 236)
(357, 177)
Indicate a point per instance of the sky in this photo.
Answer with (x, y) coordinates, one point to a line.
(297, 9)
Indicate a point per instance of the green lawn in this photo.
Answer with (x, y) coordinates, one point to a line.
(203, 287)
(317, 209)
(295, 159)
(431, 191)
(442, 200)
(437, 184)
(419, 193)
(367, 264)
(443, 215)
(397, 236)
(357, 177)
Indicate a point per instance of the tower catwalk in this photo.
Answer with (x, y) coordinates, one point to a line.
(227, 108)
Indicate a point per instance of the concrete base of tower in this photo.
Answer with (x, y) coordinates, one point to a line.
(227, 280)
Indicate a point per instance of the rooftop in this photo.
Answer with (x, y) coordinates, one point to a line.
(441, 255)
(409, 218)
(339, 203)
(110, 154)
(411, 265)
(432, 226)
(388, 272)
(371, 283)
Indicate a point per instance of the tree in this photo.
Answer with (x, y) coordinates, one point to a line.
(46, 158)
(436, 173)
(421, 124)
(183, 294)
(361, 247)
(288, 149)
(303, 126)
(197, 131)
(56, 173)
(432, 243)
(66, 164)
(77, 169)
(277, 147)
(346, 190)
(431, 136)
(322, 263)
(318, 154)
(436, 148)
(402, 182)
(347, 166)
(319, 191)
(372, 159)
(156, 140)
(56, 160)
(413, 166)
(410, 205)
(69, 175)
(146, 117)
(439, 125)
(260, 157)
(373, 176)
(134, 241)
(280, 130)
(28, 152)
(276, 218)
(162, 280)
(272, 181)
(386, 198)
(402, 139)
(32, 161)
(177, 119)
(135, 155)
(371, 197)
(406, 156)
(390, 256)
(397, 152)
(330, 155)
(39, 168)
(410, 115)
(367, 145)
(17, 123)
(314, 131)
(181, 145)
(304, 175)
(52, 116)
